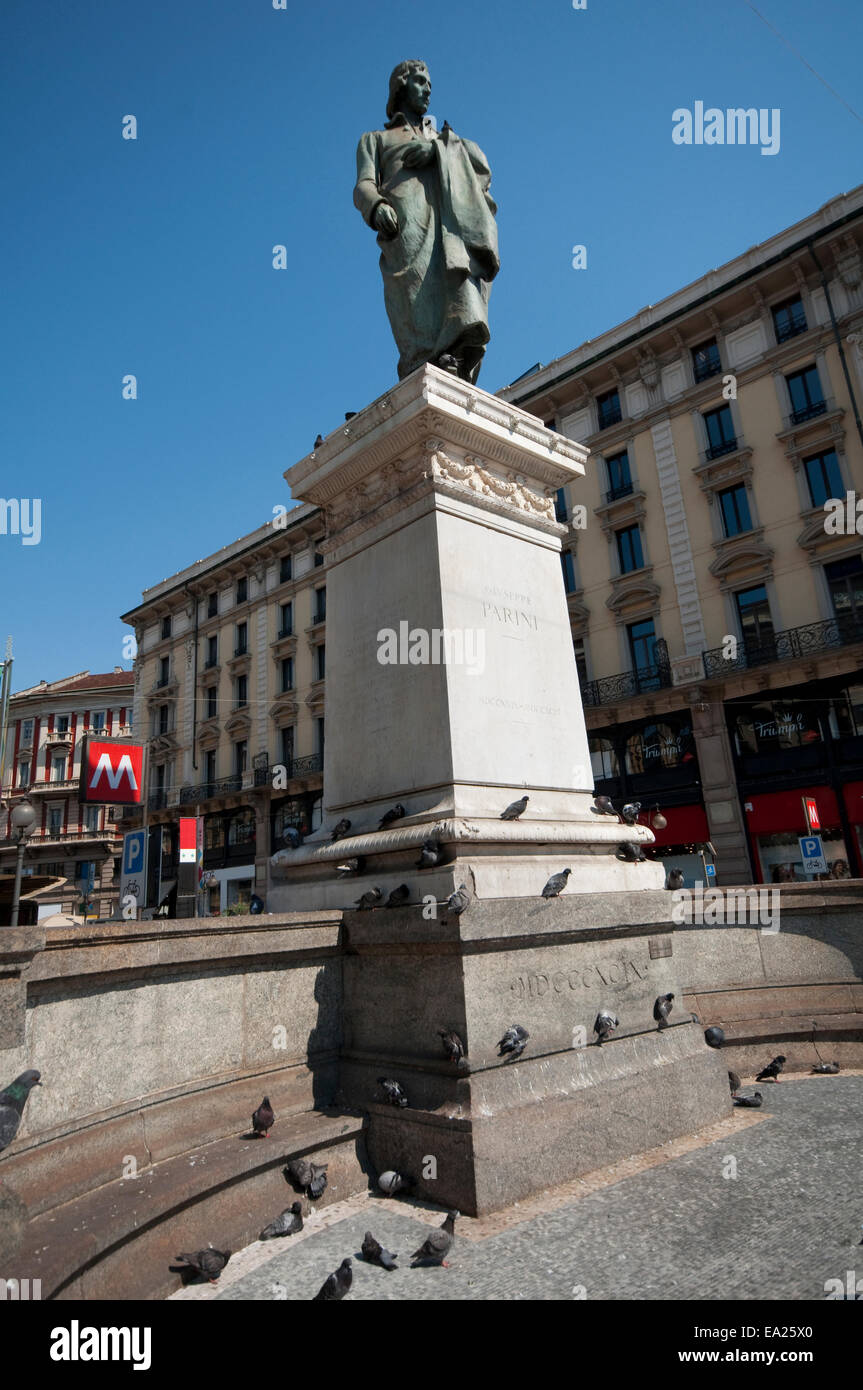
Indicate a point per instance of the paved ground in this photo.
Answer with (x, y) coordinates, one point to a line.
(676, 1225)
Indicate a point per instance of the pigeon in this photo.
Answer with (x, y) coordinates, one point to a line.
(734, 1082)
(429, 855)
(826, 1068)
(514, 1041)
(752, 1102)
(12, 1102)
(336, 1285)
(662, 1008)
(395, 813)
(605, 1024)
(602, 806)
(391, 1182)
(368, 900)
(399, 896)
(556, 884)
(458, 901)
(340, 830)
(515, 809)
(290, 1221)
(209, 1262)
(675, 879)
(299, 1172)
(714, 1037)
(394, 1093)
(263, 1118)
(293, 836)
(439, 1243)
(630, 812)
(256, 904)
(452, 1045)
(631, 854)
(319, 441)
(350, 867)
(318, 1182)
(374, 1253)
(772, 1070)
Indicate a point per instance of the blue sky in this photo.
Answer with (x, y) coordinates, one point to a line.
(154, 256)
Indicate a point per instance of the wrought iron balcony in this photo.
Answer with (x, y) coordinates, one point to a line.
(297, 767)
(788, 645)
(808, 412)
(795, 324)
(241, 650)
(614, 494)
(718, 451)
(205, 791)
(612, 689)
(703, 371)
(286, 631)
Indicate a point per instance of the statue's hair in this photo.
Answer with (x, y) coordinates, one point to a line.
(398, 81)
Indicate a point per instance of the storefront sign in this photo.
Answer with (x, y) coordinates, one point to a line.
(810, 811)
(812, 854)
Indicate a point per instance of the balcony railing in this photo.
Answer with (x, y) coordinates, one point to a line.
(788, 645)
(286, 631)
(609, 415)
(205, 791)
(614, 494)
(718, 451)
(612, 689)
(54, 784)
(795, 324)
(808, 412)
(241, 650)
(59, 736)
(297, 767)
(703, 371)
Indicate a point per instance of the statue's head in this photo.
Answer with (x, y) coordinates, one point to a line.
(410, 85)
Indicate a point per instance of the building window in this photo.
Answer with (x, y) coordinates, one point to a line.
(753, 614)
(55, 820)
(775, 724)
(568, 565)
(789, 319)
(319, 559)
(242, 691)
(608, 409)
(166, 627)
(823, 477)
(97, 721)
(320, 662)
(846, 714)
(213, 604)
(241, 646)
(642, 644)
(61, 724)
(286, 738)
(286, 626)
(603, 759)
(807, 398)
(27, 731)
(654, 747)
(580, 659)
(720, 432)
(705, 360)
(212, 653)
(23, 774)
(241, 828)
(241, 753)
(287, 674)
(58, 769)
(164, 671)
(319, 728)
(619, 476)
(164, 719)
(734, 508)
(845, 582)
(242, 590)
(210, 767)
(629, 552)
(91, 817)
(212, 702)
(285, 569)
(320, 605)
(560, 510)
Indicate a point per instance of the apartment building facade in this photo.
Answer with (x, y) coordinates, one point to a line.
(717, 613)
(229, 700)
(80, 844)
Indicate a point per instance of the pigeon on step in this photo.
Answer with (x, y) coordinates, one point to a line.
(395, 813)
(514, 1041)
(602, 806)
(662, 1008)
(714, 1037)
(429, 855)
(375, 1254)
(391, 1182)
(263, 1118)
(439, 1243)
(631, 854)
(826, 1068)
(336, 1285)
(299, 1173)
(393, 1091)
(772, 1070)
(458, 901)
(605, 1024)
(369, 900)
(630, 812)
(452, 1044)
(750, 1102)
(12, 1102)
(341, 830)
(318, 1180)
(734, 1082)
(290, 1221)
(399, 896)
(675, 879)
(515, 809)
(556, 884)
(209, 1262)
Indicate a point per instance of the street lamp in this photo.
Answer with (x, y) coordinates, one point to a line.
(23, 818)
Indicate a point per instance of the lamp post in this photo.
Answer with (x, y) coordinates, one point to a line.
(23, 818)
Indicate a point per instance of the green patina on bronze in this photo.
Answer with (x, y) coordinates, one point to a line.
(426, 195)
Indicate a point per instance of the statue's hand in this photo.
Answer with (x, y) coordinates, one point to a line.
(385, 220)
(417, 154)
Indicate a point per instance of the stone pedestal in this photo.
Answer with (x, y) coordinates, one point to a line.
(500, 1129)
(451, 680)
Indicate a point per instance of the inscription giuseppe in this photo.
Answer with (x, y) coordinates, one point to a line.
(615, 975)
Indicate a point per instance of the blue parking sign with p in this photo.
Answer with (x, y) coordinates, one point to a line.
(134, 843)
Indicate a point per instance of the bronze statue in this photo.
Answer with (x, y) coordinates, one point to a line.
(426, 195)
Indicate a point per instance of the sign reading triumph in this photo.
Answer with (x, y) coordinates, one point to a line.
(111, 771)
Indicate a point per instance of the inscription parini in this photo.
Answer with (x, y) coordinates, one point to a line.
(615, 975)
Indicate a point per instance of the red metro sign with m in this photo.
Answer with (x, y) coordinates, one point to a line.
(111, 772)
